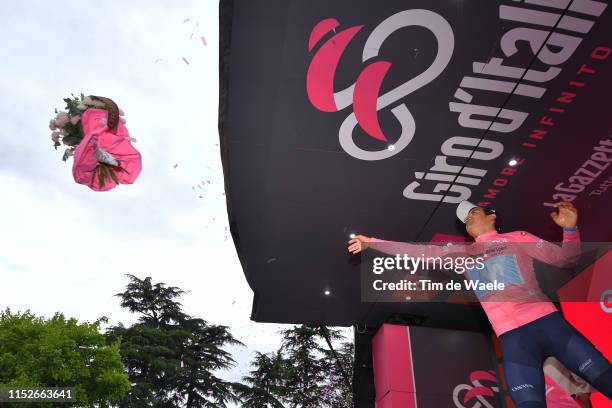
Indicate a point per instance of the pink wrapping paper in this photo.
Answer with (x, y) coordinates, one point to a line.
(97, 134)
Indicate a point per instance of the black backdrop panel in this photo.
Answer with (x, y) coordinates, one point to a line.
(295, 190)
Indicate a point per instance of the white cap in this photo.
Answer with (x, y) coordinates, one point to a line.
(463, 209)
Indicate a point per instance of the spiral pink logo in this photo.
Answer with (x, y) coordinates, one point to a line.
(475, 395)
(606, 301)
(364, 95)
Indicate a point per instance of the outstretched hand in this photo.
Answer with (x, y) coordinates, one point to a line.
(566, 215)
(358, 244)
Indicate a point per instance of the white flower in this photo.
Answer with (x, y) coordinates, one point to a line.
(62, 119)
(81, 106)
(87, 101)
(52, 124)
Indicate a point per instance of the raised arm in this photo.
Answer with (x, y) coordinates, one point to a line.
(361, 243)
(568, 254)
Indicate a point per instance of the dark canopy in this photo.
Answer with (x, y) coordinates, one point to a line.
(452, 86)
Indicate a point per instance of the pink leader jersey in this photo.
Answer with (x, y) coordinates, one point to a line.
(525, 301)
(118, 144)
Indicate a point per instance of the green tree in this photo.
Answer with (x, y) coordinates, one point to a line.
(265, 384)
(303, 373)
(306, 372)
(336, 392)
(60, 352)
(202, 354)
(170, 356)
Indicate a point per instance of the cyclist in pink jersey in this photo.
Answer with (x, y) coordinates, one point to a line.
(528, 324)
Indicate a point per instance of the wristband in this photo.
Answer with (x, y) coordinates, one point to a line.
(571, 229)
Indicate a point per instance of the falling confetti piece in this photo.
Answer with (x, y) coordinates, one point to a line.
(234, 302)
(193, 187)
(203, 40)
(191, 36)
(225, 238)
(201, 196)
(271, 260)
(186, 20)
(208, 181)
(185, 59)
(176, 165)
(159, 59)
(200, 187)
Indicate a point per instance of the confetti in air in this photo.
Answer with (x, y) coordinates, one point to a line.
(185, 59)
(176, 165)
(203, 40)
(184, 21)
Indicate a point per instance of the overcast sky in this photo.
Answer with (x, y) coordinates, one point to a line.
(66, 248)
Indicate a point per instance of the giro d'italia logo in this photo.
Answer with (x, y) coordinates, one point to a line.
(606, 301)
(364, 94)
(477, 394)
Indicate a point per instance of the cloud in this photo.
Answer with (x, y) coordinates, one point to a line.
(66, 248)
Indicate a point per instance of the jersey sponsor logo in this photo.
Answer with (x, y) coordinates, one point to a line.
(501, 269)
(582, 368)
(521, 387)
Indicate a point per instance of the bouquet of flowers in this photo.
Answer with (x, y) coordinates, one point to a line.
(93, 130)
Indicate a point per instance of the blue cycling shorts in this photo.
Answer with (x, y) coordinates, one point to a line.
(525, 349)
